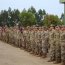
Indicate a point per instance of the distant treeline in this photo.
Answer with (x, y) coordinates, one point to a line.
(28, 17)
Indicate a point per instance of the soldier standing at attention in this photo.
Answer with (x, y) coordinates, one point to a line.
(21, 36)
(0, 33)
(52, 44)
(58, 46)
(62, 40)
(36, 40)
(28, 47)
(43, 39)
(39, 41)
(25, 38)
(33, 45)
(7, 33)
(45, 42)
(31, 39)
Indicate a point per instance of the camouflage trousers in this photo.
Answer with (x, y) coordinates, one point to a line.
(24, 44)
(44, 48)
(3, 37)
(20, 43)
(40, 48)
(7, 38)
(10, 39)
(36, 48)
(58, 53)
(52, 52)
(63, 51)
(28, 45)
(32, 45)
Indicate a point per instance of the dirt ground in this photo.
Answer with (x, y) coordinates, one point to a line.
(10, 55)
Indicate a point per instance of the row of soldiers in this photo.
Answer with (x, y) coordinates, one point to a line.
(41, 41)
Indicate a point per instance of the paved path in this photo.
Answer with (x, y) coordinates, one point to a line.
(10, 55)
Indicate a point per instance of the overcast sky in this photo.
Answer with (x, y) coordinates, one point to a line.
(51, 6)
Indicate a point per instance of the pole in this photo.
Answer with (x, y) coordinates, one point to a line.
(64, 13)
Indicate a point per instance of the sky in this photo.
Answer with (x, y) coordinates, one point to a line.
(51, 6)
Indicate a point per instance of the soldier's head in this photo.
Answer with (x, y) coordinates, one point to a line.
(31, 28)
(63, 27)
(6, 26)
(45, 28)
(57, 28)
(27, 28)
(40, 28)
(36, 28)
(51, 27)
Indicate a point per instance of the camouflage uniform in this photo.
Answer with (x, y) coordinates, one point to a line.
(32, 40)
(24, 36)
(62, 39)
(21, 40)
(28, 46)
(45, 43)
(36, 42)
(10, 36)
(52, 45)
(0, 33)
(39, 43)
(57, 47)
(18, 38)
(4, 35)
(7, 35)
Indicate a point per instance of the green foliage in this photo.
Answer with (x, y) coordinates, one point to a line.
(27, 18)
(32, 10)
(9, 18)
(51, 19)
(39, 16)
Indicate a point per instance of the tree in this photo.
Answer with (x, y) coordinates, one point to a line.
(44, 12)
(51, 19)
(10, 17)
(39, 16)
(15, 15)
(32, 10)
(27, 18)
(62, 18)
(3, 17)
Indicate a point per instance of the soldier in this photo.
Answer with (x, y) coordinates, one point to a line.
(13, 36)
(18, 33)
(4, 34)
(52, 44)
(40, 41)
(45, 42)
(7, 34)
(62, 41)
(36, 40)
(33, 40)
(10, 35)
(0, 33)
(28, 44)
(21, 37)
(17, 36)
(58, 46)
(24, 36)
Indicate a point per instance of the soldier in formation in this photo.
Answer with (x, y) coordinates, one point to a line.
(62, 41)
(41, 41)
(51, 44)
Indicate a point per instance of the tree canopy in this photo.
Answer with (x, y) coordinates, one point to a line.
(28, 17)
